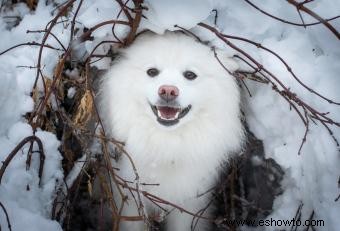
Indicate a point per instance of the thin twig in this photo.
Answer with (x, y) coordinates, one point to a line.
(29, 44)
(7, 217)
(286, 21)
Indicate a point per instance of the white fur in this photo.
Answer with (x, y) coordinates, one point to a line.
(185, 158)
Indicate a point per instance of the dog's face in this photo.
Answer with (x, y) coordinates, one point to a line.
(168, 82)
(175, 86)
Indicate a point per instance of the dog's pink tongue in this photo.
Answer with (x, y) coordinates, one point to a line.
(168, 112)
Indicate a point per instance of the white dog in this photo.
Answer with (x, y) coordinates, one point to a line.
(177, 110)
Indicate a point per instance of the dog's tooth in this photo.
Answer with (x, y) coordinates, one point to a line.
(177, 114)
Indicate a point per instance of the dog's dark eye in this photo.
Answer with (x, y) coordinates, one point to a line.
(152, 72)
(189, 75)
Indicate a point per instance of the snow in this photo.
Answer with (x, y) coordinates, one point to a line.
(27, 204)
(160, 19)
(313, 53)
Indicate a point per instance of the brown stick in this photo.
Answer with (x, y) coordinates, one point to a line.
(135, 23)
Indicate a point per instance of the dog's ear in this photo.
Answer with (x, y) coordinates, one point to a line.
(228, 62)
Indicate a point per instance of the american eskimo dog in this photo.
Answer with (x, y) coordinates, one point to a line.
(177, 110)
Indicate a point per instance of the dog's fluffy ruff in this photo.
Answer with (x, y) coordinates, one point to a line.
(184, 158)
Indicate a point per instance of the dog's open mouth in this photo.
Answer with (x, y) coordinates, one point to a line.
(169, 116)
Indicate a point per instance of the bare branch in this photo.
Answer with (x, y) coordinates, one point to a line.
(29, 44)
(7, 217)
(286, 21)
(300, 6)
(15, 151)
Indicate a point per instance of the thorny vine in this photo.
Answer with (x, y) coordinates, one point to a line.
(78, 123)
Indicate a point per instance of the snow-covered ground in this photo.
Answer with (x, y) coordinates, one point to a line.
(314, 54)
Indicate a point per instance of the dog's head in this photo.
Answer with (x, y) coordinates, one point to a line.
(169, 82)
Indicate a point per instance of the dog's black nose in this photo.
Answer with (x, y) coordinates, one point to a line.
(168, 92)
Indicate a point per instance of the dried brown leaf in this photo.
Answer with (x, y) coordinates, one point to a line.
(84, 110)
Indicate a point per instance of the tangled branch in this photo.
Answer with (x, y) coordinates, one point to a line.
(294, 101)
